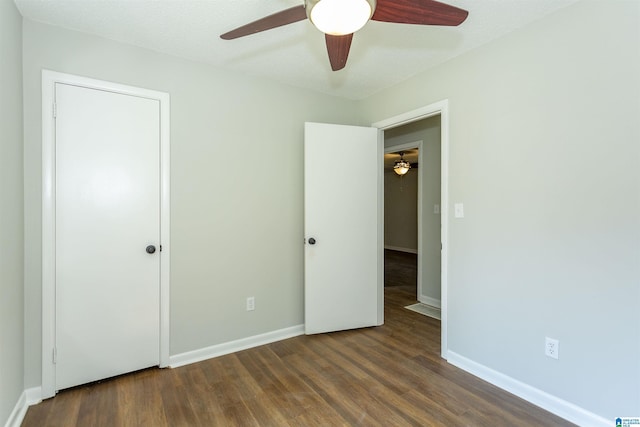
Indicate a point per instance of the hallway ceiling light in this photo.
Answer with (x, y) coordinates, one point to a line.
(401, 167)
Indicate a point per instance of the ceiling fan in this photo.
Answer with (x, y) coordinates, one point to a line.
(339, 19)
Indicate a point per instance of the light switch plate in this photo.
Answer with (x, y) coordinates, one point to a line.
(458, 209)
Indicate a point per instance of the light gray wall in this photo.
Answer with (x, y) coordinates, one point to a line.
(401, 210)
(11, 211)
(235, 232)
(427, 131)
(545, 155)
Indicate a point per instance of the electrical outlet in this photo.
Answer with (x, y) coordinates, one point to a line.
(251, 303)
(551, 347)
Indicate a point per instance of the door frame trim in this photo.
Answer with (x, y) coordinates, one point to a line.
(49, 80)
(407, 146)
(441, 108)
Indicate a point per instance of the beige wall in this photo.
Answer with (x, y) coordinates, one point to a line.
(234, 233)
(545, 156)
(11, 211)
(427, 131)
(401, 211)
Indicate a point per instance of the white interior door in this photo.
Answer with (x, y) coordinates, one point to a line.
(107, 211)
(343, 246)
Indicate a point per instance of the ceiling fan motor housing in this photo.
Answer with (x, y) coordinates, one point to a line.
(339, 17)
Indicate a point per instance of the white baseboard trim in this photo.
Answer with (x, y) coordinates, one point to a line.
(399, 249)
(28, 397)
(553, 404)
(34, 395)
(429, 301)
(17, 415)
(233, 346)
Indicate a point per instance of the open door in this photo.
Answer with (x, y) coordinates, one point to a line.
(343, 231)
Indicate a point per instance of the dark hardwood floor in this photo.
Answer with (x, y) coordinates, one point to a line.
(390, 375)
(400, 269)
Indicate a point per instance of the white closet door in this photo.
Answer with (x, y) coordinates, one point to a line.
(107, 212)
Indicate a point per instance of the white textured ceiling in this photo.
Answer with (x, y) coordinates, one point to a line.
(382, 54)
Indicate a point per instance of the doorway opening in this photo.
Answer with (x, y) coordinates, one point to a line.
(402, 218)
(412, 212)
(429, 123)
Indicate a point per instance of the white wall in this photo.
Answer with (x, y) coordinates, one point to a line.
(235, 232)
(11, 211)
(545, 155)
(427, 131)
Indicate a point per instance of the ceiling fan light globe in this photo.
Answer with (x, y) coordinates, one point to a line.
(401, 167)
(339, 17)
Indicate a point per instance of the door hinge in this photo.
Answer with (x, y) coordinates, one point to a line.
(54, 355)
(55, 110)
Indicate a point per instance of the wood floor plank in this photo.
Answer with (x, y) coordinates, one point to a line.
(287, 395)
(352, 396)
(390, 375)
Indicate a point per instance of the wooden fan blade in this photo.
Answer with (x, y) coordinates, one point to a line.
(338, 49)
(421, 12)
(278, 19)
